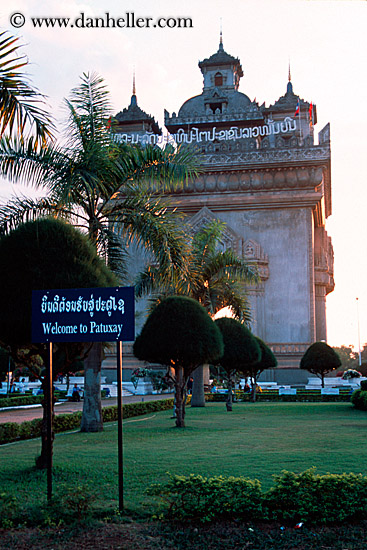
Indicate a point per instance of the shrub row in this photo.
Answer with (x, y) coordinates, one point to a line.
(21, 400)
(311, 396)
(11, 431)
(359, 399)
(305, 497)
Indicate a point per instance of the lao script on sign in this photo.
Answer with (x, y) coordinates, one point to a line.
(83, 315)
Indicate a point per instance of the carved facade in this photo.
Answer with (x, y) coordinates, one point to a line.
(266, 178)
(274, 193)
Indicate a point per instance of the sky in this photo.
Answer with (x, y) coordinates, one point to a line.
(323, 41)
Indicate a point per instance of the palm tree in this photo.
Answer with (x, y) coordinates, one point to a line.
(100, 184)
(109, 188)
(21, 111)
(214, 278)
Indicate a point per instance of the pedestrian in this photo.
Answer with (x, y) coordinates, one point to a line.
(75, 395)
(22, 386)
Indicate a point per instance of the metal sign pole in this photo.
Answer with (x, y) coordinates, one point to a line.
(119, 424)
(83, 315)
(49, 422)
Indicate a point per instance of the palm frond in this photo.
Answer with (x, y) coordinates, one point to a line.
(22, 110)
(89, 109)
(24, 209)
(148, 222)
(161, 169)
(205, 241)
(228, 266)
(111, 247)
(235, 298)
(21, 162)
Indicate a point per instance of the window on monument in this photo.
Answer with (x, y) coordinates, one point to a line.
(218, 79)
(215, 106)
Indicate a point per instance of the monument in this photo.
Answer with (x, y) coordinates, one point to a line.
(267, 179)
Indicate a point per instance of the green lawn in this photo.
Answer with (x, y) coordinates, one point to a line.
(255, 440)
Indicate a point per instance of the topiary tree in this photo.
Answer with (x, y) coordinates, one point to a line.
(44, 254)
(319, 359)
(180, 334)
(240, 347)
(266, 361)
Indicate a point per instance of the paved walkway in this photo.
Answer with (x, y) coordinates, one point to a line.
(29, 413)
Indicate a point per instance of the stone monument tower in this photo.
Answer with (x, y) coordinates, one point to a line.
(264, 176)
(270, 183)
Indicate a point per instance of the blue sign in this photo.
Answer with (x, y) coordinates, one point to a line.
(83, 315)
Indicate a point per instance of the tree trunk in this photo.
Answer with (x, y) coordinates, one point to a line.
(92, 408)
(229, 396)
(322, 380)
(180, 405)
(42, 460)
(198, 396)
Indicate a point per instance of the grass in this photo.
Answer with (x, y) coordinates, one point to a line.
(255, 440)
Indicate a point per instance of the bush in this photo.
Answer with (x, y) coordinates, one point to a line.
(207, 499)
(9, 510)
(72, 504)
(21, 401)
(359, 399)
(11, 431)
(317, 499)
(302, 395)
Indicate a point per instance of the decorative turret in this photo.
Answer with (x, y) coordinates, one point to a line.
(135, 120)
(221, 70)
(291, 105)
(220, 103)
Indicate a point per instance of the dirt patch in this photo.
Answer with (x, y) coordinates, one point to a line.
(149, 535)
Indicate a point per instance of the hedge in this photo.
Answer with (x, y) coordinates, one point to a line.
(359, 399)
(302, 395)
(305, 497)
(12, 431)
(21, 400)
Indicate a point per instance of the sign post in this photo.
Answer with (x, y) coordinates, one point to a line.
(119, 426)
(50, 407)
(83, 315)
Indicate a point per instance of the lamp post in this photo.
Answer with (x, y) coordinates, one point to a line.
(359, 336)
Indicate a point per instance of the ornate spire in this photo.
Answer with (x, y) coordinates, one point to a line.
(221, 37)
(134, 91)
(289, 85)
(133, 97)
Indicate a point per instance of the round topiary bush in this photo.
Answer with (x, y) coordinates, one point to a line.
(180, 334)
(319, 359)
